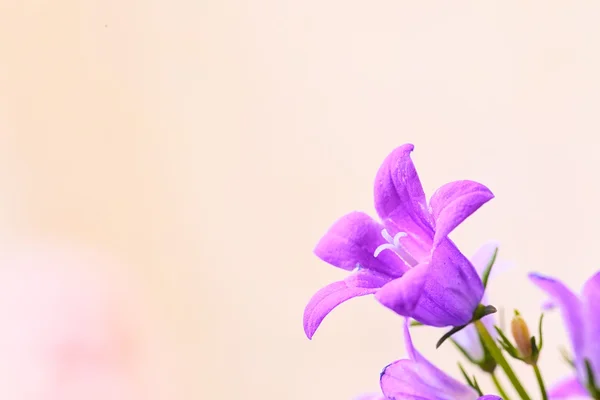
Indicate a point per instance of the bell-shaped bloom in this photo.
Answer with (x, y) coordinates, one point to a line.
(581, 315)
(415, 378)
(468, 338)
(405, 258)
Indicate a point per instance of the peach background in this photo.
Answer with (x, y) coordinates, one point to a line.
(208, 145)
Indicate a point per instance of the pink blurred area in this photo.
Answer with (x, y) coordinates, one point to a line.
(69, 326)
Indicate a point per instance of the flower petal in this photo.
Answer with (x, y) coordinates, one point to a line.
(326, 299)
(365, 278)
(591, 315)
(417, 378)
(490, 397)
(351, 241)
(370, 396)
(568, 389)
(402, 294)
(452, 291)
(570, 306)
(399, 196)
(454, 202)
(406, 379)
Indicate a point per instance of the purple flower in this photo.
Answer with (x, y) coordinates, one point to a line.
(407, 258)
(416, 378)
(581, 315)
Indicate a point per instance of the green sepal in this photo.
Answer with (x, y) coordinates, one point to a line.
(480, 312)
(471, 382)
(507, 345)
(541, 340)
(488, 364)
(488, 269)
(536, 346)
(591, 381)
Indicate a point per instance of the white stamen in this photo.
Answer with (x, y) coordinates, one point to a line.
(397, 238)
(387, 236)
(395, 245)
(387, 246)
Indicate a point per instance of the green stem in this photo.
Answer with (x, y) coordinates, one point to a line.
(496, 353)
(538, 376)
(499, 387)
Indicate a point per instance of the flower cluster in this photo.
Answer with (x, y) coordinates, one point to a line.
(407, 261)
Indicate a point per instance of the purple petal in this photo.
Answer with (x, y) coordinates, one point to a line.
(567, 389)
(370, 396)
(452, 291)
(591, 314)
(399, 196)
(406, 379)
(402, 294)
(411, 350)
(490, 397)
(453, 203)
(352, 240)
(417, 378)
(365, 278)
(325, 300)
(570, 307)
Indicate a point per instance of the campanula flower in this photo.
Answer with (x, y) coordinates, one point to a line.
(581, 315)
(406, 258)
(416, 378)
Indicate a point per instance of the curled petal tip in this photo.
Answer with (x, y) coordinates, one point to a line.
(384, 369)
(454, 202)
(536, 276)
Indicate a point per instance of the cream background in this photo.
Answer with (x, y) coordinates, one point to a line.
(210, 144)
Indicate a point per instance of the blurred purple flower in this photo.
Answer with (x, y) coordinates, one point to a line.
(407, 258)
(416, 378)
(581, 315)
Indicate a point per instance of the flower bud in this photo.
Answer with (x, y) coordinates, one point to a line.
(522, 337)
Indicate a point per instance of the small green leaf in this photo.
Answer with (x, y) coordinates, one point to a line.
(541, 340)
(476, 386)
(416, 323)
(463, 351)
(488, 269)
(507, 345)
(591, 383)
(471, 382)
(535, 352)
(465, 375)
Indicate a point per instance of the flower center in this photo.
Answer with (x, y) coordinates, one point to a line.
(393, 244)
